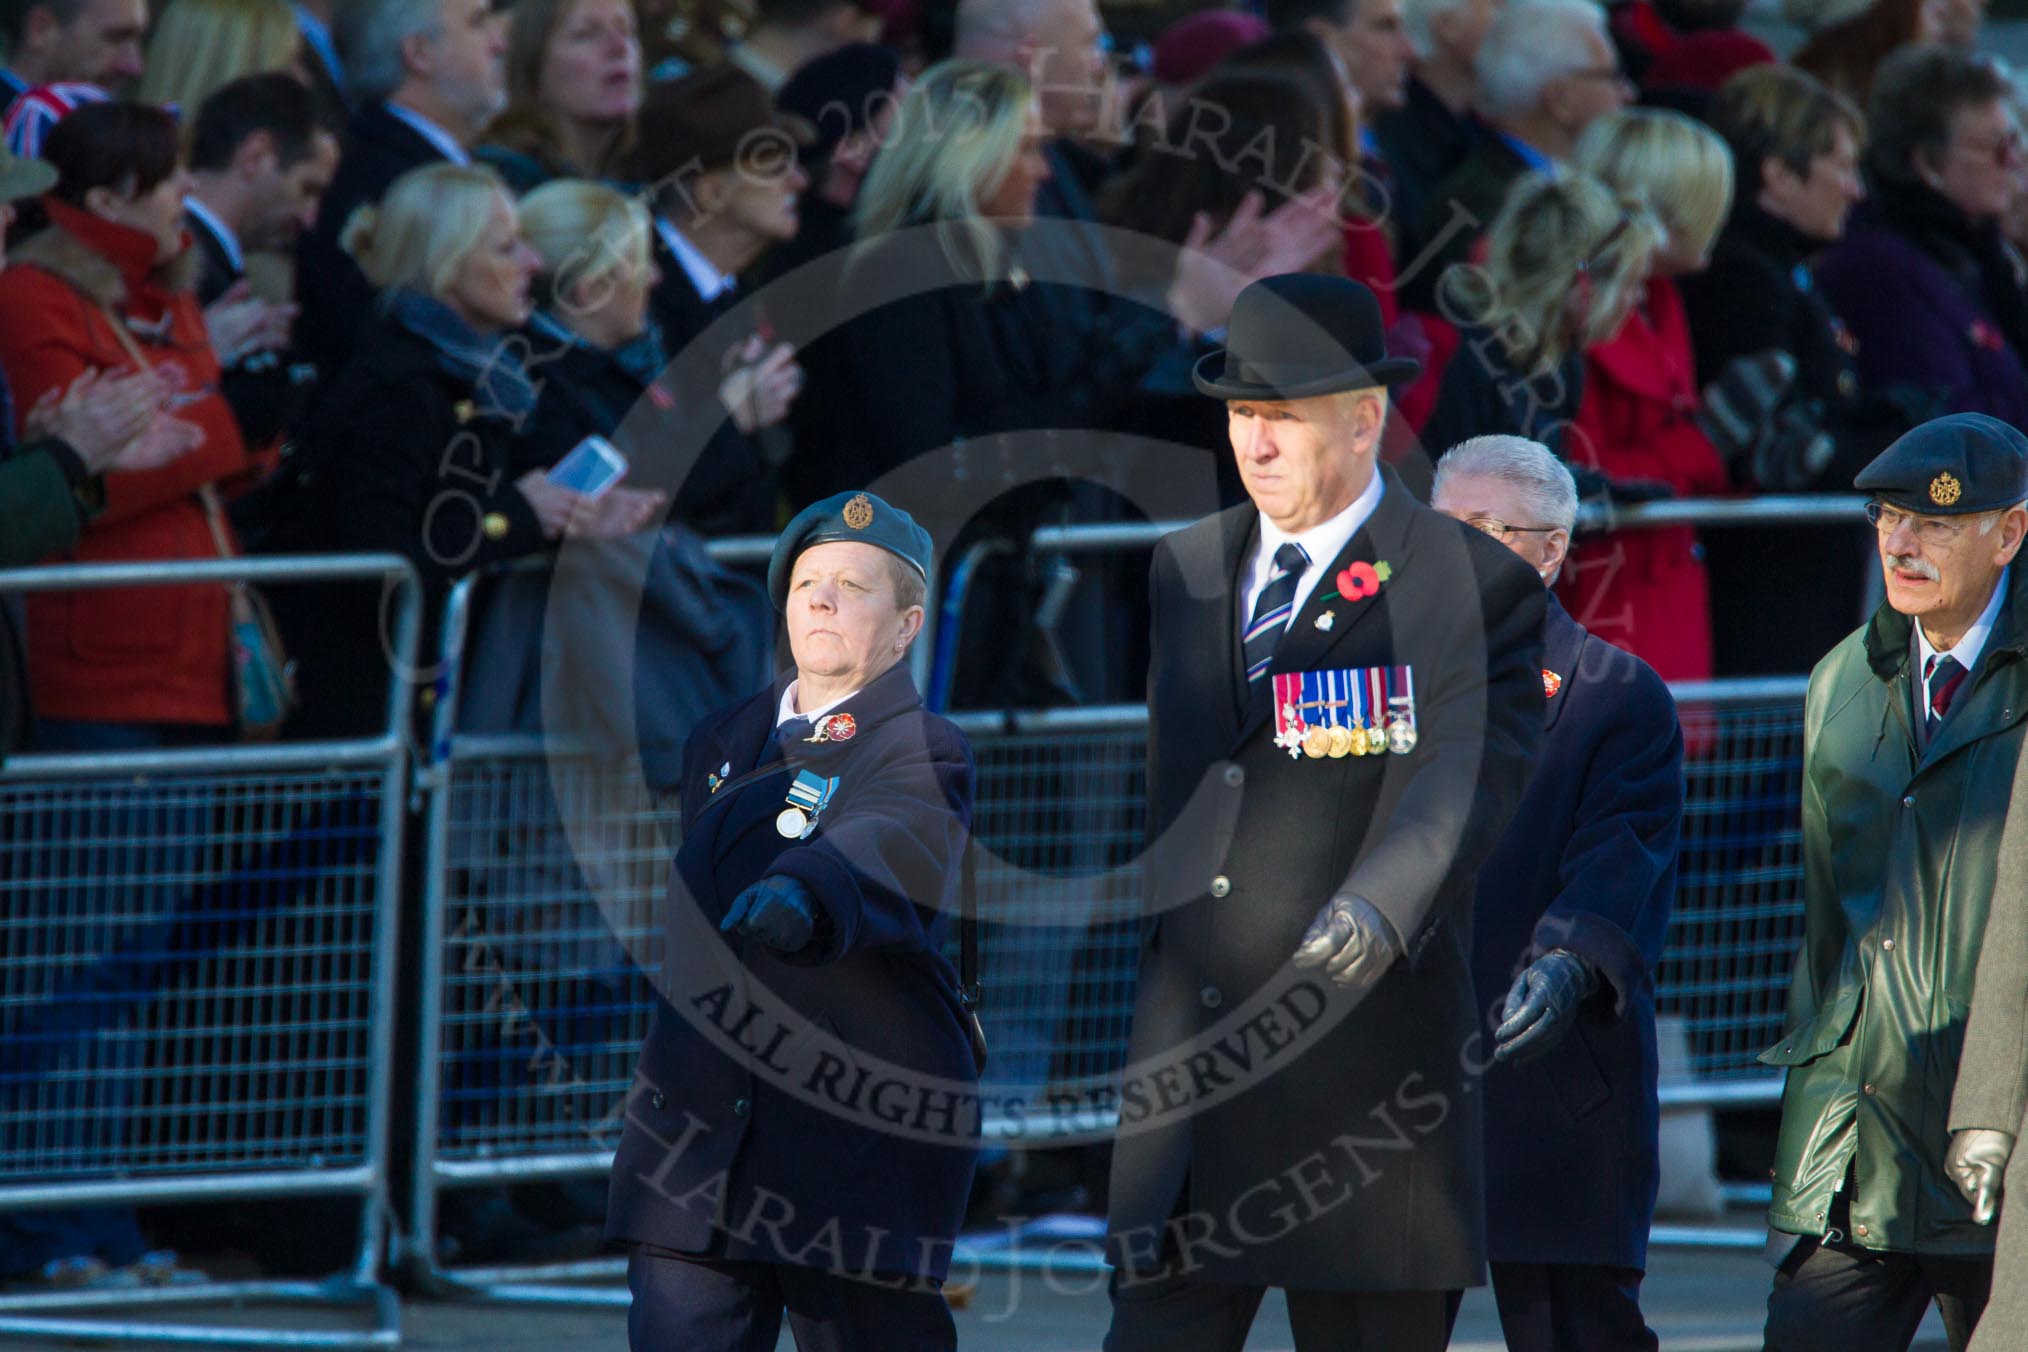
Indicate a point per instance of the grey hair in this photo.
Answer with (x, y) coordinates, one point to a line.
(910, 587)
(1417, 16)
(1529, 467)
(1532, 43)
(370, 34)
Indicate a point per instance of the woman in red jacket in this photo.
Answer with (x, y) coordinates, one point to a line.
(1646, 590)
(133, 668)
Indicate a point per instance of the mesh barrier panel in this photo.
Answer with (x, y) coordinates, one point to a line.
(186, 971)
(545, 1008)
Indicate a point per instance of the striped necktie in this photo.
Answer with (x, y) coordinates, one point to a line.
(1943, 674)
(1272, 611)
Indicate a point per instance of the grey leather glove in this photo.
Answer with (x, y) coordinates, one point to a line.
(1353, 942)
(776, 911)
(1976, 1160)
(1542, 1005)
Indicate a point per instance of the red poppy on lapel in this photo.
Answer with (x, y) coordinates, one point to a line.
(1362, 580)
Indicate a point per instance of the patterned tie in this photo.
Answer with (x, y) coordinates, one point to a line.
(1271, 612)
(1943, 674)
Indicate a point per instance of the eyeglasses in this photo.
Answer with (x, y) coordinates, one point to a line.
(1933, 532)
(2004, 150)
(1500, 530)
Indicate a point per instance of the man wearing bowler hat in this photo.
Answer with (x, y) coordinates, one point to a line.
(1345, 701)
(1911, 731)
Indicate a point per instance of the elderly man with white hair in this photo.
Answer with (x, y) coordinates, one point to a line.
(1546, 70)
(427, 76)
(1572, 908)
(1430, 134)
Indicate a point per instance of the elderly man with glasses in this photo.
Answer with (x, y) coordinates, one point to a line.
(1572, 908)
(1911, 733)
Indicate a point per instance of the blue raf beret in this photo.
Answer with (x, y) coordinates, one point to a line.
(1951, 466)
(848, 516)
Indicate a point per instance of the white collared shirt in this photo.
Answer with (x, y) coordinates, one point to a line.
(445, 143)
(193, 207)
(1323, 543)
(788, 708)
(1968, 648)
(702, 272)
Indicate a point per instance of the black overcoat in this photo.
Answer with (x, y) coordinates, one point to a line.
(1311, 1143)
(1588, 865)
(820, 1110)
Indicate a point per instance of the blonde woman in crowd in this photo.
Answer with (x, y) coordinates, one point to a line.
(200, 45)
(1565, 261)
(1637, 423)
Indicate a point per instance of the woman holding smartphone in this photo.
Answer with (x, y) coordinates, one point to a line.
(415, 461)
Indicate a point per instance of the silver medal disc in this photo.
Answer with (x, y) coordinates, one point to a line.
(789, 825)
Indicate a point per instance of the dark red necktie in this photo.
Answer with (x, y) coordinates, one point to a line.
(1943, 674)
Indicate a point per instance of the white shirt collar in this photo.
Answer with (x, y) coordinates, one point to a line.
(318, 34)
(702, 272)
(788, 708)
(1322, 542)
(1971, 645)
(194, 207)
(445, 143)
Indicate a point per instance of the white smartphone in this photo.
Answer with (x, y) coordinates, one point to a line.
(593, 466)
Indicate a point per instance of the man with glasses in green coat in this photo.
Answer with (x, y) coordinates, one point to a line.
(1911, 732)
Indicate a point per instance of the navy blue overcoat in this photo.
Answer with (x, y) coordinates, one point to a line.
(1588, 865)
(821, 1109)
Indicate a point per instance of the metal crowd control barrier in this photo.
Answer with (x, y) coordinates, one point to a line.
(197, 982)
(544, 867)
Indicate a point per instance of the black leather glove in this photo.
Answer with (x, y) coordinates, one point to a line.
(1354, 943)
(1541, 1005)
(776, 911)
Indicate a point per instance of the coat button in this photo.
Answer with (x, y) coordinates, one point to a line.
(656, 1101)
(1234, 776)
(1211, 997)
(1909, 801)
(1861, 1229)
(1221, 886)
(1887, 944)
(496, 526)
(1869, 1091)
(741, 1107)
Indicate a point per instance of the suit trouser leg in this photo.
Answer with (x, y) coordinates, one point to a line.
(1370, 1321)
(1961, 1286)
(1839, 1299)
(832, 1313)
(1180, 1314)
(701, 1305)
(1571, 1307)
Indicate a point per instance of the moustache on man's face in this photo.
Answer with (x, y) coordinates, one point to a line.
(1904, 563)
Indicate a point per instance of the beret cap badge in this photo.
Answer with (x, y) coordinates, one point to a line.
(858, 513)
(1944, 490)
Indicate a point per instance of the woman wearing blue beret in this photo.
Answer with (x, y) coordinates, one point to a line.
(800, 1134)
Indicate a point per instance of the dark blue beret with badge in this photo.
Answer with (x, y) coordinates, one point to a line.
(1951, 466)
(848, 516)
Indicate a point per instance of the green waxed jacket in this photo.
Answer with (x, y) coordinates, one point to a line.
(1900, 848)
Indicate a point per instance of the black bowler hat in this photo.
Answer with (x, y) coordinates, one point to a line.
(1298, 335)
(848, 516)
(1951, 466)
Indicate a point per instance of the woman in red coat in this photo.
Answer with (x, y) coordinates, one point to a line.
(133, 668)
(1646, 590)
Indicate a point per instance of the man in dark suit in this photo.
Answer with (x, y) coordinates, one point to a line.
(259, 167)
(427, 77)
(1344, 706)
(1572, 911)
(46, 42)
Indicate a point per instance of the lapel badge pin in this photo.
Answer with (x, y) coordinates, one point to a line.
(1326, 620)
(833, 728)
(1551, 683)
(718, 777)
